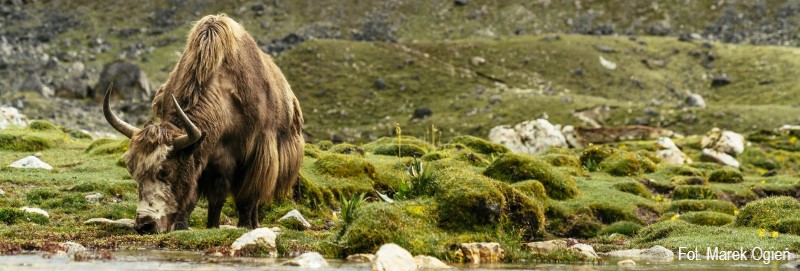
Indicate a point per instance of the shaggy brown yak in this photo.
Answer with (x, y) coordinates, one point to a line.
(230, 124)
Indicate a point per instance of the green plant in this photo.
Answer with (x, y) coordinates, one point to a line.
(350, 210)
(421, 178)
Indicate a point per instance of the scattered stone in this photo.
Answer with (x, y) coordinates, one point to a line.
(529, 137)
(308, 260)
(391, 257)
(585, 250)
(654, 64)
(477, 61)
(721, 158)
(361, 258)
(608, 64)
(611, 134)
(422, 112)
(695, 100)
(296, 215)
(669, 153)
(122, 223)
(72, 247)
(548, 246)
(129, 82)
(720, 80)
(626, 262)
(31, 162)
(478, 253)
(263, 237)
(94, 197)
(380, 84)
(461, 2)
(2, 193)
(605, 48)
(655, 253)
(425, 262)
(724, 141)
(34, 83)
(11, 116)
(35, 211)
(571, 135)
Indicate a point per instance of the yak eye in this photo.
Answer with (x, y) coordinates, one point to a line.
(163, 174)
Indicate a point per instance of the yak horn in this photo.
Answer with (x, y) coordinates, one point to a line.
(193, 134)
(118, 124)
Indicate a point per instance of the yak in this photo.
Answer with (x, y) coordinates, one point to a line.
(229, 125)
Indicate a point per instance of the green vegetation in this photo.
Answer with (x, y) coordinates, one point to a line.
(514, 168)
(626, 164)
(622, 227)
(707, 218)
(776, 213)
(691, 205)
(726, 175)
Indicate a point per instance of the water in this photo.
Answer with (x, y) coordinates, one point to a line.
(195, 261)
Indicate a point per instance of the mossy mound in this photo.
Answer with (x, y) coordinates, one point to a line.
(345, 166)
(108, 146)
(681, 170)
(622, 227)
(706, 166)
(42, 125)
(691, 205)
(402, 150)
(347, 148)
(608, 213)
(408, 224)
(480, 145)
(774, 213)
(693, 192)
(467, 155)
(514, 168)
(562, 160)
(311, 150)
(433, 156)
(472, 200)
(663, 230)
(707, 218)
(408, 140)
(627, 164)
(633, 187)
(592, 156)
(324, 144)
(27, 139)
(11, 216)
(531, 188)
(726, 175)
(687, 180)
(673, 234)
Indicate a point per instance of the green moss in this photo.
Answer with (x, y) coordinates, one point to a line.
(108, 146)
(562, 160)
(678, 233)
(681, 170)
(514, 168)
(693, 192)
(11, 216)
(608, 213)
(470, 157)
(524, 214)
(622, 227)
(789, 225)
(311, 150)
(592, 156)
(726, 175)
(404, 150)
(311, 194)
(469, 199)
(42, 125)
(627, 164)
(408, 224)
(532, 188)
(768, 212)
(433, 156)
(39, 195)
(24, 142)
(633, 187)
(346, 148)
(707, 218)
(344, 166)
(687, 180)
(480, 145)
(324, 144)
(384, 142)
(691, 205)
(706, 166)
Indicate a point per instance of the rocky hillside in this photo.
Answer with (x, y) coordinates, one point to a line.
(464, 66)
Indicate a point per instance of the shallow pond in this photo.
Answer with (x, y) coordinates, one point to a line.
(181, 260)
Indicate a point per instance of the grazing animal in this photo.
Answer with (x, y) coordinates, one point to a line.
(229, 124)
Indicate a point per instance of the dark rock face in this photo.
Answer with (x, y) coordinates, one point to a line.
(129, 82)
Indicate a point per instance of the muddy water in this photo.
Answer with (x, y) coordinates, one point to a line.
(177, 260)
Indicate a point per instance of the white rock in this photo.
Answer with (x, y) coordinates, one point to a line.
(626, 262)
(655, 253)
(695, 100)
(722, 158)
(361, 258)
(72, 247)
(123, 222)
(669, 153)
(35, 211)
(308, 260)
(529, 137)
(723, 141)
(11, 116)
(296, 215)
(427, 262)
(608, 64)
(547, 246)
(391, 257)
(571, 135)
(260, 237)
(94, 197)
(31, 162)
(477, 61)
(585, 250)
(2, 193)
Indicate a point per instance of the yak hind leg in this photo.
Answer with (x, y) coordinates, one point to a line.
(248, 213)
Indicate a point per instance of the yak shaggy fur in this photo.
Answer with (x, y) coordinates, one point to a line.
(250, 119)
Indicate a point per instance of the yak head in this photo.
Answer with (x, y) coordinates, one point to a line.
(161, 158)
